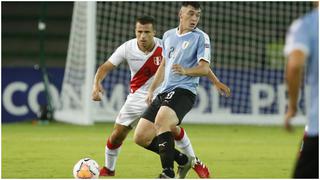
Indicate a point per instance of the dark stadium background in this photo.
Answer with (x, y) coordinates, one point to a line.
(20, 48)
(221, 20)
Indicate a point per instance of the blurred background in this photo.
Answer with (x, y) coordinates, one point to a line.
(25, 48)
(20, 34)
(50, 52)
(49, 42)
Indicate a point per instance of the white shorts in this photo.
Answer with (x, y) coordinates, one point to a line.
(132, 109)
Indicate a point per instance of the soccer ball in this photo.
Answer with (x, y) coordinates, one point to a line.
(86, 168)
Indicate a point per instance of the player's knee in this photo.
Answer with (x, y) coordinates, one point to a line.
(157, 126)
(160, 123)
(160, 126)
(163, 126)
(166, 120)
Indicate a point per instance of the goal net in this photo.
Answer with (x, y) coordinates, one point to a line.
(247, 55)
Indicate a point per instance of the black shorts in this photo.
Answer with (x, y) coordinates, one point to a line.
(180, 100)
(307, 165)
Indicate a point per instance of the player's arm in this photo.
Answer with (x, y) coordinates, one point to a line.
(202, 69)
(101, 73)
(203, 57)
(293, 75)
(159, 76)
(221, 87)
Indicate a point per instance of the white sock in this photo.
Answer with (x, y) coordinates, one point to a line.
(111, 156)
(184, 145)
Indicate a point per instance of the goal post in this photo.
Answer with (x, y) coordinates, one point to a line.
(76, 105)
(247, 54)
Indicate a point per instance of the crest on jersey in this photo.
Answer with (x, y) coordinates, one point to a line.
(185, 44)
(157, 60)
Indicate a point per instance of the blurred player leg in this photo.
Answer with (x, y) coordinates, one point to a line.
(308, 163)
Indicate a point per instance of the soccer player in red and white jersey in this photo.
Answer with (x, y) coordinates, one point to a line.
(143, 55)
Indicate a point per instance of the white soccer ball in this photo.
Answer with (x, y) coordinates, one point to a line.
(86, 168)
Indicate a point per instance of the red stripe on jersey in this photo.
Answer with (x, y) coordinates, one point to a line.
(146, 71)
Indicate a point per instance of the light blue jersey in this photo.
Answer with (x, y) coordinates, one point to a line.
(187, 50)
(304, 35)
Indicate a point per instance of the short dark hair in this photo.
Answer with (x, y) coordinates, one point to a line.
(194, 4)
(146, 20)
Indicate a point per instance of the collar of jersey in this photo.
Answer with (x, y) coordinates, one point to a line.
(180, 35)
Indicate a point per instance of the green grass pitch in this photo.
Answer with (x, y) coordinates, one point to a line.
(230, 151)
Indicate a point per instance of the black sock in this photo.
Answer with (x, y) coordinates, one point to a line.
(166, 152)
(154, 145)
(180, 158)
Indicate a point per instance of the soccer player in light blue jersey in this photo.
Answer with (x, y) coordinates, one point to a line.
(186, 57)
(302, 47)
(140, 55)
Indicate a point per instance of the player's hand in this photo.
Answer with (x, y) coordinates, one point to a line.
(149, 98)
(291, 112)
(223, 89)
(178, 69)
(97, 92)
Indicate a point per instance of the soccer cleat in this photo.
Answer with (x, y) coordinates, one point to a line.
(164, 176)
(184, 169)
(106, 172)
(200, 168)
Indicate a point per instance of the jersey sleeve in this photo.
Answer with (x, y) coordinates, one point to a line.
(119, 55)
(297, 38)
(204, 48)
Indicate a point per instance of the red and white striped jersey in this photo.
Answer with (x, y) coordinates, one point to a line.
(142, 66)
